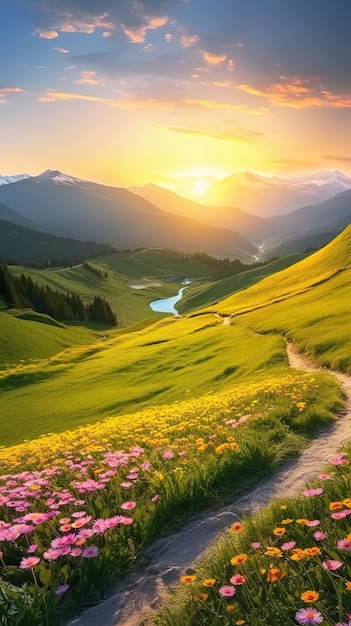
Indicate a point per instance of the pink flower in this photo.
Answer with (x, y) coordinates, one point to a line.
(308, 616)
(168, 454)
(313, 522)
(238, 579)
(344, 544)
(324, 476)
(227, 590)
(330, 564)
(127, 484)
(32, 548)
(29, 562)
(289, 545)
(155, 498)
(339, 514)
(339, 459)
(255, 545)
(313, 492)
(127, 506)
(90, 552)
(318, 535)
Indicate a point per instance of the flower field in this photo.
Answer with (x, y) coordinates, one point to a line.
(76, 508)
(288, 565)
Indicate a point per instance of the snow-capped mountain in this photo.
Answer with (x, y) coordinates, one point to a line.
(54, 177)
(6, 180)
(265, 196)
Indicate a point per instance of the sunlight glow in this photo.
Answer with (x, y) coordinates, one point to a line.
(200, 187)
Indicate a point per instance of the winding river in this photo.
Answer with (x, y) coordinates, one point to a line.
(166, 305)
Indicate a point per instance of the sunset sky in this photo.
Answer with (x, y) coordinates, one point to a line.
(174, 92)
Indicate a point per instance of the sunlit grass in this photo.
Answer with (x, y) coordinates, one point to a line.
(77, 507)
(290, 559)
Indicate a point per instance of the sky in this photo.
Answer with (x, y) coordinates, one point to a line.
(174, 92)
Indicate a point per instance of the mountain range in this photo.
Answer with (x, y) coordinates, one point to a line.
(71, 207)
(152, 216)
(265, 196)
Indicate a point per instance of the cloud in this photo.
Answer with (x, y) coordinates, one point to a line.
(6, 91)
(88, 78)
(62, 50)
(131, 17)
(244, 135)
(286, 163)
(213, 59)
(48, 34)
(334, 157)
(53, 96)
(299, 93)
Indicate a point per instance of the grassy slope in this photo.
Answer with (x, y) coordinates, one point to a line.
(186, 358)
(155, 366)
(203, 295)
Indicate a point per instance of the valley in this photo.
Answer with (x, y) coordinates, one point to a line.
(115, 436)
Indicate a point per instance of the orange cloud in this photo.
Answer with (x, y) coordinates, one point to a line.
(137, 35)
(48, 34)
(88, 78)
(213, 59)
(299, 93)
(187, 40)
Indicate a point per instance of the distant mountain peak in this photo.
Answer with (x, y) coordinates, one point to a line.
(55, 177)
(7, 180)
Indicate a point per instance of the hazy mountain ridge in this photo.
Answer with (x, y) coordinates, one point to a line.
(81, 209)
(266, 196)
(330, 216)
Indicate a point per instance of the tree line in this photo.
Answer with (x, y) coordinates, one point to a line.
(223, 268)
(22, 292)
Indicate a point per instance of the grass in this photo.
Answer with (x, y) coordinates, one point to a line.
(104, 491)
(288, 559)
(195, 410)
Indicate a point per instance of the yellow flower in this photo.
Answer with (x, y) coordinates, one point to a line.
(272, 551)
(310, 596)
(297, 556)
(230, 608)
(283, 506)
(239, 559)
(209, 582)
(288, 520)
(239, 622)
(187, 579)
(279, 531)
(303, 521)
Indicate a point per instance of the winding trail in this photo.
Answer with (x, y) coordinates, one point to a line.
(164, 561)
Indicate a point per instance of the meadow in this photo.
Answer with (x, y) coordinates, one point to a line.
(130, 435)
(286, 565)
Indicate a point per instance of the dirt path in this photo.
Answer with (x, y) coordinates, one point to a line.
(168, 558)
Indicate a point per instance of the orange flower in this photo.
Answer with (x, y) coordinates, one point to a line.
(237, 527)
(348, 585)
(239, 559)
(274, 574)
(310, 596)
(279, 531)
(202, 597)
(302, 521)
(209, 582)
(336, 506)
(311, 551)
(230, 608)
(297, 556)
(187, 579)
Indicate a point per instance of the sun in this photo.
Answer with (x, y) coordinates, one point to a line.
(200, 187)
